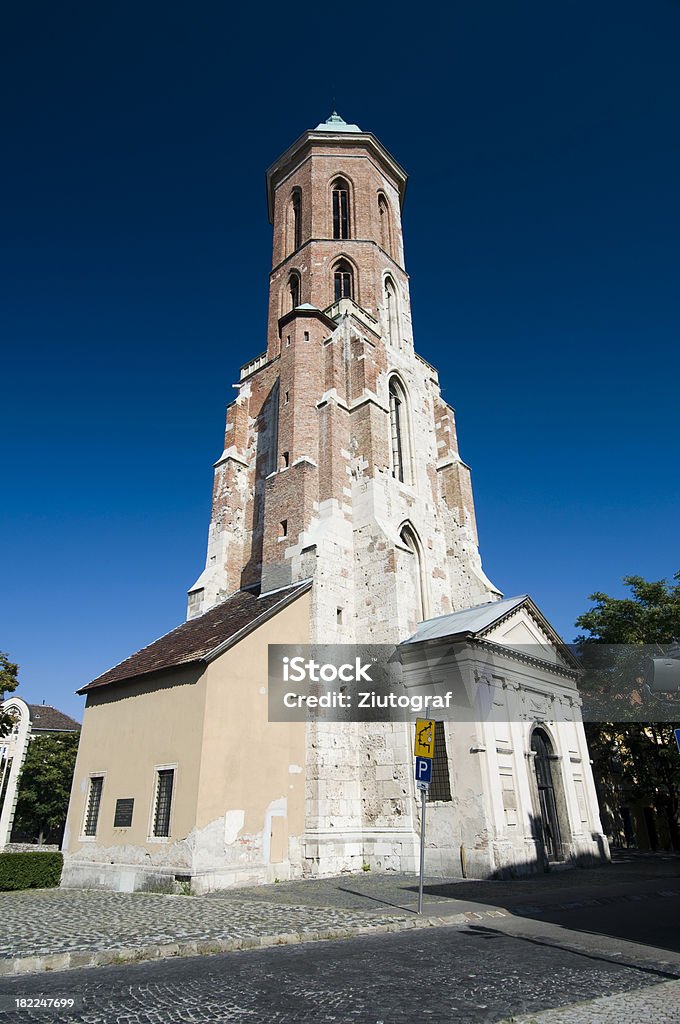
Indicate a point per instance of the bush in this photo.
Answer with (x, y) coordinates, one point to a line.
(30, 870)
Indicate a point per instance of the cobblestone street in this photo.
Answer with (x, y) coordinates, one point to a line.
(532, 950)
(470, 976)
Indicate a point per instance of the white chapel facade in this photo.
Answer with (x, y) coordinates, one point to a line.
(342, 513)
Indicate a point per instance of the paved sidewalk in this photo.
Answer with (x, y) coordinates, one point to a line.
(56, 929)
(657, 1004)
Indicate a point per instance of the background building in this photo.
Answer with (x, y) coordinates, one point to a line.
(31, 721)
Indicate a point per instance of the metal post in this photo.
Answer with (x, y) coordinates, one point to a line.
(423, 795)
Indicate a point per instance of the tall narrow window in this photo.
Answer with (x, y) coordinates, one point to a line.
(392, 311)
(440, 787)
(5, 772)
(94, 799)
(343, 281)
(294, 290)
(549, 822)
(340, 208)
(161, 814)
(399, 436)
(296, 213)
(384, 215)
(417, 576)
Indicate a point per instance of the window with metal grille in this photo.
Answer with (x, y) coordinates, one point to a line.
(340, 209)
(440, 787)
(94, 800)
(161, 817)
(343, 281)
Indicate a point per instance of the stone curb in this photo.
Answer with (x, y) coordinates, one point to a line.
(11, 967)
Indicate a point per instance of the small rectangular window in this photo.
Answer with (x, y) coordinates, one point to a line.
(286, 398)
(338, 616)
(161, 816)
(288, 341)
(283, 530)
(306, 335)
(94, 799)
(440, 787)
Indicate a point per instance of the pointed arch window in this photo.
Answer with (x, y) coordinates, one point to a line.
(410, 539)
(392, 311)
(296, 218)
(343, 281)
(399, 432)
(384, 215)
(294, 290)
(340, 205)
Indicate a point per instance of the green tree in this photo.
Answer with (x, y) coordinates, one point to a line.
(639, 758)
(45, 787)
(8, 683)
(650, 616)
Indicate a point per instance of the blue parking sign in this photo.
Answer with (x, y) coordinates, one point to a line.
(423, 769)
(677, 737)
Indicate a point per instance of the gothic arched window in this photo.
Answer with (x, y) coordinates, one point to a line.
(296, 218)
(384, 214)
(392, 312)
(410, 539)
(399, 432)
(549, 819)
(343, 281)
(294, 290)
(340, 202)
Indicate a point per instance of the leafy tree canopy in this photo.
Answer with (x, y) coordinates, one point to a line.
(637, 758)
(8, 683)
(650, 616)
(45, 787)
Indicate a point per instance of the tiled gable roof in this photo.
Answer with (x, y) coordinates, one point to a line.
(197, 639)
(48, 719)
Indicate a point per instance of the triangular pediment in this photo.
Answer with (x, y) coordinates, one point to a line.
(514, 622)
(525, 629)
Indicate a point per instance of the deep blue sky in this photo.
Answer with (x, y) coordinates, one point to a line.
(542, 222)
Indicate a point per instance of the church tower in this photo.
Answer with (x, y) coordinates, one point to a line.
(342, 513)
(340, 460)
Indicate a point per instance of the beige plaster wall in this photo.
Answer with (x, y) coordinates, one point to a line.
(128, 730)
(252, 780)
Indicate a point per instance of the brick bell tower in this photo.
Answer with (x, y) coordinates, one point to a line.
(340, 459)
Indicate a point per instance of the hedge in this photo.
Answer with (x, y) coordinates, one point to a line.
(30, 870)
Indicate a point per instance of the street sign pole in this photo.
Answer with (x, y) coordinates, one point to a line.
(423, 748)
(423, 795)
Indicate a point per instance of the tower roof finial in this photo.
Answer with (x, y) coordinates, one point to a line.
(335, 123)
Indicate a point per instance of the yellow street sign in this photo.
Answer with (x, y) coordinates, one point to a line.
(424, 742)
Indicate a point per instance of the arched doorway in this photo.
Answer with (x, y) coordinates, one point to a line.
(549, 823)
